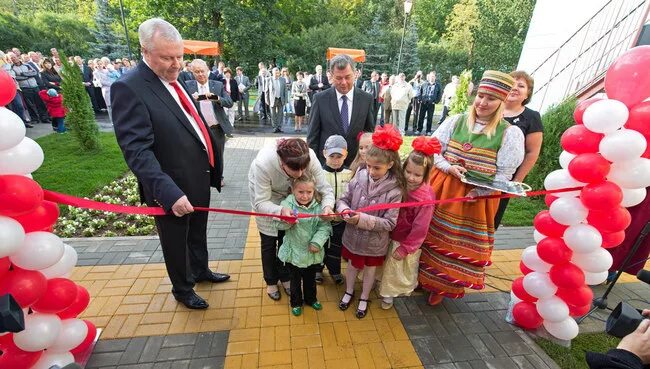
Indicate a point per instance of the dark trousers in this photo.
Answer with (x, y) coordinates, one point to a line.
(58, 124)
(16, 105)
(427, 109)
(306, 276)
(93, 99)
(99, 97)
(184, 246)
(503, 204)
(35, 105)
(375, 110)
(413, 105)
(333, 250)
(264, 109)
(445, 112)
(273, 268)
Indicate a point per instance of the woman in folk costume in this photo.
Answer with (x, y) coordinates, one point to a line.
(480, 144)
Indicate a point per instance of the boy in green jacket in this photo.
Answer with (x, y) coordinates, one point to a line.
(302, 246)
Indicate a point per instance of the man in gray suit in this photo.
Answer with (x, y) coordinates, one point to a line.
(212, 98)
(243, 84)
(343, 110)
(276, 97)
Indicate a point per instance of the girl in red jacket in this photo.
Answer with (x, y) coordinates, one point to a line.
(54, 103)
(401, 266)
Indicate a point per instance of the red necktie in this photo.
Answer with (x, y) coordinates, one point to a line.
(189, 108)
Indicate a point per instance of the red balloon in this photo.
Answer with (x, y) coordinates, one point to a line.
(44, 216)
(626, 80)
(582, 106)
(7, 88)
(611, 240)
(580, 296)
(579, 140)
(59, 295)
(639, 119)
(589, 168)
(26, 286)
(526, 315)
(519, 291)
(554, 251)
(79, 304)
(567, 275)
(88, 341)
(19, 195)
(548, 200)
(5, 263)
(13, 357)
(524, 269)
(601, 196)
(576, 311)
(546, 225)
(610, 221)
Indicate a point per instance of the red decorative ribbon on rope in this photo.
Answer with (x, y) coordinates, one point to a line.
(63, 199)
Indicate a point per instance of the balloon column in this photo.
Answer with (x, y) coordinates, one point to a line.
(34, 263)
(607, 153)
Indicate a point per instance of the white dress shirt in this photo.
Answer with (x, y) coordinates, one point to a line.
(172, 91)
(350, 96)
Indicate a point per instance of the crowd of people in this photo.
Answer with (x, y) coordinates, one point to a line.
(38, 82)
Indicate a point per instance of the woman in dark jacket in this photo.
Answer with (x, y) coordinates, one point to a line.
(50, 76)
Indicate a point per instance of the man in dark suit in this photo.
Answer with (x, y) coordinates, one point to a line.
(372, 87)
(276, 98)
(217, 73)
(169, 148)
(430, 95)
(186, 73)
(343, 110)
(87, 75)
(318, 83)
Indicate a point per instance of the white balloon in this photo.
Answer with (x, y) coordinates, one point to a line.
(64, 266)
(23, 158)
(538, 236)
(561, 178)
(12, 236)
(632, 196)
(582, 238)
(49, 359)
(41, 331)
(552, 309)
(565, 159)
(539, 285)
(73, 332)
(12, 128)
(605, 116)
(568, 211)
(623, 145)
(532, 260)
(39, 251)
(565, 330)
(631, 174)
(597, 261)
(593, 279)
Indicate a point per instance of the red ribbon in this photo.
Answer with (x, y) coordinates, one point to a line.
(63, 199)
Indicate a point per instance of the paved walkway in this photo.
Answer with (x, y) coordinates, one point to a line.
(144, 327)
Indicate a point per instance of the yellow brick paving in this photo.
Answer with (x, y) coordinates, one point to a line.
(135, 300)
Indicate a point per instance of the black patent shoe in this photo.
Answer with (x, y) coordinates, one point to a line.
(345, 305)
(360, 314)
(213, 277)
(192, 301)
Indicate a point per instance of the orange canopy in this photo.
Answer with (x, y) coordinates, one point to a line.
(355, 54)
(201, 47)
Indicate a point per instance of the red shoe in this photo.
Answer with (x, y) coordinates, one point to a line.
(434, 299)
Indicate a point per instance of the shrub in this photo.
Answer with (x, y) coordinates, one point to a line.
(556, 120)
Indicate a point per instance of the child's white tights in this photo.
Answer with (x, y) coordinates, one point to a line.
(368, 283)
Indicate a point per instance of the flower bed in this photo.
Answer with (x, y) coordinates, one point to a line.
(75, 222)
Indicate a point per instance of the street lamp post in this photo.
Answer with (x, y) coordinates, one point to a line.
(126, 31)
(408, 4)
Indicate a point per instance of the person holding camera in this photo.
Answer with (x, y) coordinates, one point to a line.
(633, 352)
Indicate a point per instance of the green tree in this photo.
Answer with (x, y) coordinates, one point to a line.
(63, 31)
(80, 115)
(108, 43)
(445, 62)
(430, 18)
(462, 24)
(16, 33)
(460, 101)
(377, 52)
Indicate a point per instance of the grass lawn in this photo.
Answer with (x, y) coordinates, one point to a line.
(69, 170)
(520, 212)
(574, 358)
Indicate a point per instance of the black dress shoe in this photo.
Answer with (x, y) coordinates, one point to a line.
(192, 301)
(213, 277)
(27, 125)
